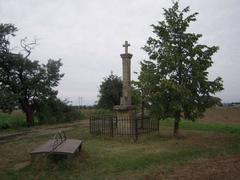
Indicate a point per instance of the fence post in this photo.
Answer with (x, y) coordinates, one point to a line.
(136, 129)
(90, 124)
(111, 126)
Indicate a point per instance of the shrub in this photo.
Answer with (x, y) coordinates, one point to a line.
(103, 112)
(56, 111)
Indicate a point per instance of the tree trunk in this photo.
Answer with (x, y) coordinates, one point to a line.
(29, 115)
(142, 113)
(28, 110)
(176, 124)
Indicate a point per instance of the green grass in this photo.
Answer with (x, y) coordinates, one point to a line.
(17, 121)
(13, 120)
(120, 157)
(208, 127)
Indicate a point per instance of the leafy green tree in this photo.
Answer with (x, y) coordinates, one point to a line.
(139, 99)
(24, 82)
(110, 91)
(175, 78)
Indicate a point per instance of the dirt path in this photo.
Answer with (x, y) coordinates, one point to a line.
(224, 168)
(41, 130)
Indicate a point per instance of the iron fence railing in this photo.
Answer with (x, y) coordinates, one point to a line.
(122, 126)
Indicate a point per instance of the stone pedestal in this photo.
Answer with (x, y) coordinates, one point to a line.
(126, 119)
(125, 112)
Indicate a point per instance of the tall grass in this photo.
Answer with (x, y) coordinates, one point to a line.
(13, 120)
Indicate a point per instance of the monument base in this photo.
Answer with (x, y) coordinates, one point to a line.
(126, 112)
(126, 119)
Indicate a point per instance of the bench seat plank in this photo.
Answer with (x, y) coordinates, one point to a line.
(70, 146)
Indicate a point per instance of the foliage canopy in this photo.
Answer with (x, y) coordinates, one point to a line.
(110, 91)
(23, 82)
(175, 78)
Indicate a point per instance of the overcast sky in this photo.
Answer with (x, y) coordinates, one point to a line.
(88, 36)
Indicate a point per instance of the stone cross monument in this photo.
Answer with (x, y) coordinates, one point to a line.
(126, 109)
(126, 70)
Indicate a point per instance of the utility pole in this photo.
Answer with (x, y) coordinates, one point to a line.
(79, 103)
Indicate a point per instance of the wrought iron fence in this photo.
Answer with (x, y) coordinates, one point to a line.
(115, 126)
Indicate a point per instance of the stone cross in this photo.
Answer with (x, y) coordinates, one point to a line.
(126, 47)
(126, 68)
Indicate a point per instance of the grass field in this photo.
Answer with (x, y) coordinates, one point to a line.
(17, 119)
(229, 115)
(14, 120)
(153, 156)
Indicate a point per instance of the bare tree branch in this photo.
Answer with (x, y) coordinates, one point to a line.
(28, 46)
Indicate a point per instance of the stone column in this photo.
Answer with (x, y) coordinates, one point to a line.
(126, 112)
(126, 89)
